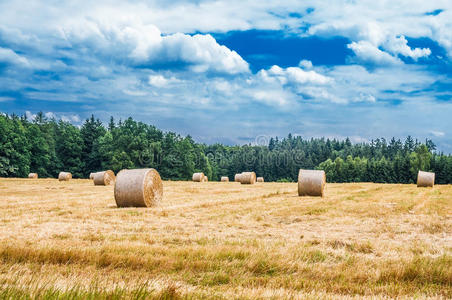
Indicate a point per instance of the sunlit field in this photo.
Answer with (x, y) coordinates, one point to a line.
(225, 240)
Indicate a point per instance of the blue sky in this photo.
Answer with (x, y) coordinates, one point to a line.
(231, 71)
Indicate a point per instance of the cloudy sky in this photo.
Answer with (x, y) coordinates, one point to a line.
(229, 71)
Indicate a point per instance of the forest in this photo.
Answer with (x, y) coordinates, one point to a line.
(48, 146)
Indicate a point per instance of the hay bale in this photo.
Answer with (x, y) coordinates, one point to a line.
(138, 188)
(224, 179)
(198, 177)
(64, 176)
(237, 177)
(205, 179)
(311, 182)
(33, 175)
(91, 175)
(425, 179)
(248, 178)
(104, 178)
(260, 179)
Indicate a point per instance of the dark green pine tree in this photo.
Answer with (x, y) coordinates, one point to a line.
(91, 131)
(69, 148)
(42, 147)
(111, 124)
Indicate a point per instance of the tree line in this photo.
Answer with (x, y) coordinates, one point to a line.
(48, 146)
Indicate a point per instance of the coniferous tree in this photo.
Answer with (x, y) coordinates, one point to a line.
(91, 131)
(47, 147)
(69, 145)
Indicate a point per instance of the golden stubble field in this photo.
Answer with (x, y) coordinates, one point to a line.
(225, 240)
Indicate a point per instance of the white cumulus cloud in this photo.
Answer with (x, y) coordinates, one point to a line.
(161, 81)
(305, 64)
(279, 98)
(399, 45)
(50, 115)
(71, 118)
(144, 45)
(292, 75)
(366, 52)
(29, 115)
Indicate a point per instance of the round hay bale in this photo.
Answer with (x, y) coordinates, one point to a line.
(260, 179)
(198, 177)
(104, 178)
(425, 179)
(91, 175)
(64, 176)
(224, 179)
(33, 175)
(237, 177)
(205, 179)
(311, 182)
(138, 188)
(248, 178)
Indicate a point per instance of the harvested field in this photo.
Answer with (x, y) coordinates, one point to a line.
(225, 240)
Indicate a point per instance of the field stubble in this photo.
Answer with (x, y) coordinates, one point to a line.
(225, 240)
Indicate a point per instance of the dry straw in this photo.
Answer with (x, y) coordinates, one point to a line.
(248, 178)
(205, 179)
(104, 178)
(260, 179)
(311, 182)
(425, 179)
(91, 175)
(224, 179)
(198, 177)
(33, 175)
(138, 188)
(64, 176)
(237, 177)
